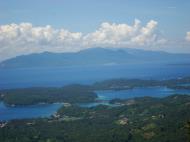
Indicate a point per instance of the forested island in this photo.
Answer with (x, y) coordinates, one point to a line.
(82, 93)
(35, 95)
(137, 120)
(94, 71)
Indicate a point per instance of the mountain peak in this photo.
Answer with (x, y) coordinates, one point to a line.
(92, 56)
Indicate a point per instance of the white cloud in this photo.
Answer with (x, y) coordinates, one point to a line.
(18, 39)
(188, 36)
(24, 38)
(124, 35)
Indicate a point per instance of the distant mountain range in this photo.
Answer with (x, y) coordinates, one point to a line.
(95, 56)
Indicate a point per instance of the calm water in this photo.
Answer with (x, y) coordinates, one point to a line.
(15, 78)
(139, 92)
(45, 110)
(34, 111)
(19, 78)
(105, 96)
(185, 85)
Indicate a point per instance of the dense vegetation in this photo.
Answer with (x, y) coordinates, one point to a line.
(28, 96)
(133, 120)
(82, 93)
(122, 84)
(136, 120)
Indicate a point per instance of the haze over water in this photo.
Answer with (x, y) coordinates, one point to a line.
(60, 76)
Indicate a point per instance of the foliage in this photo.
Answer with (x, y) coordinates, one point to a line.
(28, 96)
(148, 119)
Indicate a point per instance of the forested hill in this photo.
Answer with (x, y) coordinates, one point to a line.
(137, 120)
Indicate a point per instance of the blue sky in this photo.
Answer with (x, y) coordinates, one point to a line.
(86, 16)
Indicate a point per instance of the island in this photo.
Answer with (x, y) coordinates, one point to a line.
(29, 96)
(136, 120)
(77, 93)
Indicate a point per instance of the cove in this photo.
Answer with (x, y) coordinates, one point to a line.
(46, 110)
(22, 112)
(159, 92)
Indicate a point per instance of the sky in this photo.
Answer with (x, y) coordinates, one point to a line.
(72, 25)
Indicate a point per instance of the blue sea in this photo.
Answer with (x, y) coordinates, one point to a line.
(33, 111)
(60, 76)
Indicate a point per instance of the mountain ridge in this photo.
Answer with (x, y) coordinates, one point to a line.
(94, 56)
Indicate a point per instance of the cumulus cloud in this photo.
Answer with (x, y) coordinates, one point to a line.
(24, 38)
(188, 36)
(124, 35)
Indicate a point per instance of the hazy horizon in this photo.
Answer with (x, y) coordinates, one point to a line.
(70, 26)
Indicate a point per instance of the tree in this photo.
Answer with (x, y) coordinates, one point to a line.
(188, 131)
